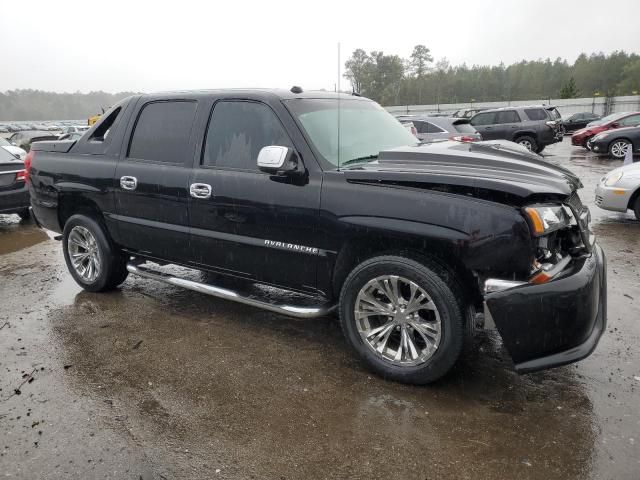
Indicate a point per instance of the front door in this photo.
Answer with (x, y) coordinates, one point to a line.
(246, 222)
(152, 180)
(485, 124)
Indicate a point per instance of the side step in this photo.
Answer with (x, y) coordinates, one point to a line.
(290, 310)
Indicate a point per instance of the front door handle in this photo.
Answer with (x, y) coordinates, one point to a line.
(200, 190)
(128, 183)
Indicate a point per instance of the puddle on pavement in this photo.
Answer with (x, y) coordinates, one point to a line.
(16, 235)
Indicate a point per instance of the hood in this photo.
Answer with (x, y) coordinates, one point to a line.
(494, 166)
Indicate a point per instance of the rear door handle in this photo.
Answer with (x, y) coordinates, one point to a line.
(200, 190)
(128, 183)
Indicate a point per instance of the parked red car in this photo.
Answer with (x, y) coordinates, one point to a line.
(615, 120)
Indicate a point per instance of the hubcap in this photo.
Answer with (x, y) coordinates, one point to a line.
(398, 320)
(84, 253)
(619, 149)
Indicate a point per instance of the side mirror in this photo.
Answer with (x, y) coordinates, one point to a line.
(277, 159)
(615, 125)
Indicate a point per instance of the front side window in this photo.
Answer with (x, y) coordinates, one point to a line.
(365, 129)
(162, 131)
(238, 130)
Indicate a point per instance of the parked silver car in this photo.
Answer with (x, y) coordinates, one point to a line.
(619, 190)
(430, 128)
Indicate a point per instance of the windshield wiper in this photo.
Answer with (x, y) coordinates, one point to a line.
(360, 159)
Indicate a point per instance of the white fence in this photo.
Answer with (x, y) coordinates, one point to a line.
(566, 106)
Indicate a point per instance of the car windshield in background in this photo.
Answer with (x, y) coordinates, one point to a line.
(464, 127)
(366, 129)
(607, 119)
(4, 142)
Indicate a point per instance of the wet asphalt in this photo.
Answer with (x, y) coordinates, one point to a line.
(155, 382)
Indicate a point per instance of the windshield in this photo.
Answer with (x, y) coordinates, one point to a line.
(366, 129)
(607, 119)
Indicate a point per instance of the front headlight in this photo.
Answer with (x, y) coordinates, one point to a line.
(612, 179)
(547, 218)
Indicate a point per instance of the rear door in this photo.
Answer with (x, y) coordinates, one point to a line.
(485, 124)
(246, 222)
(508, 122)
(152, 179)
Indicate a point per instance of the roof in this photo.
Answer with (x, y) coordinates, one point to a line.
(263, 92)
(546, 107)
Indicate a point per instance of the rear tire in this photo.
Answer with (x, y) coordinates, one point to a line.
(528, 142)
(92, 259)
(618, 148)
(414, 342)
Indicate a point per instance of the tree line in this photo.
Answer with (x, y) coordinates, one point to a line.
(40, 105)
(419, 80)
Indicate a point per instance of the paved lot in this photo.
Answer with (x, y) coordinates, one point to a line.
(156, 382)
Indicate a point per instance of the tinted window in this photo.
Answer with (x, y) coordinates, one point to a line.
(464, 128)
(238, 131)
(508, 116)
(431, 128)
(162, 131)
(536, 113)
(421, 127)
(484, 119)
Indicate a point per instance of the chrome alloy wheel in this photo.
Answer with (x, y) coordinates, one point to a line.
(619, 149)
(84, 254)
(398, 320)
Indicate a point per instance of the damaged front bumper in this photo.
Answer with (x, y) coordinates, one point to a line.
(555, 323)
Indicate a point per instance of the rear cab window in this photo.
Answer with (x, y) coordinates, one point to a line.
(162, 131)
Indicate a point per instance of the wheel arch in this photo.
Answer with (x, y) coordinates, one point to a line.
(70, 204)
(633, 198)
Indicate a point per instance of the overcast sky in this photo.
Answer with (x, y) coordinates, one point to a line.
(116, 45)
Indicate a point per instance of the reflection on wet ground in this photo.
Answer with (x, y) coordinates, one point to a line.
(156, 382)
(16, 235)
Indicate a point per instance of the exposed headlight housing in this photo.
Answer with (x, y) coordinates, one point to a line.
(547, 218)
(613, 178)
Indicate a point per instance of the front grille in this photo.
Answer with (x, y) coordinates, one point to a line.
(598, 200)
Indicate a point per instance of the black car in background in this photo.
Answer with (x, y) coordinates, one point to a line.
(616, 142)
(578, 121)
(14, 195)
(533, 127)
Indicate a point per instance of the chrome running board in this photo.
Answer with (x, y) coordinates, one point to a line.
(290, 310)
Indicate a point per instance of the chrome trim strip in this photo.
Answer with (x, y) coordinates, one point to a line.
(492, 285)
(290, 310)
(11, 171)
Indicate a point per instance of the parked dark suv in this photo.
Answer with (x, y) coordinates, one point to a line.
(413, 245)
(533, 127)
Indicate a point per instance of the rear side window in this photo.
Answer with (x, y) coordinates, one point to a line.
(101, 132)
(237, 132)
(488, 118)
(508, 116)
(162, 131)
(536, 113)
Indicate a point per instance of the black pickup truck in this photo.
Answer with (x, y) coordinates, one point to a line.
(329, 197)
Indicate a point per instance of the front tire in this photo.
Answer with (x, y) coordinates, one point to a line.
(402, 318)
(618, 148)
(95, 264)
(24, 214)
(636, 208)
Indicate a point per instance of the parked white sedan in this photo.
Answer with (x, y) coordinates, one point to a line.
(17, 151)
(619, 190)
